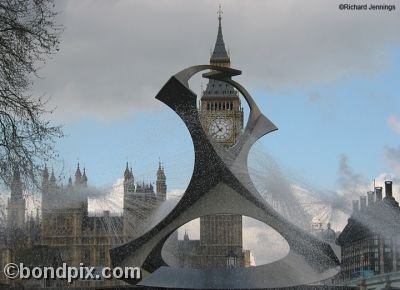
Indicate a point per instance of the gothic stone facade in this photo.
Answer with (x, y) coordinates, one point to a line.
(66, 231)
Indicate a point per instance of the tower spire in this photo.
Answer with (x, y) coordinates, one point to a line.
(78, 175)
(52, 177)
(84, 177)
(45, 179)
(45, 173)
(16, 203)
(129, 180)
(127, 172)
(16, 186)
(161, 183)
(220, 55)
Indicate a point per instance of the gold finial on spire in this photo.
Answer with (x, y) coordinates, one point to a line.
(220, 12)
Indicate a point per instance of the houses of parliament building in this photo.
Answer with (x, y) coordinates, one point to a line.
(65, 232)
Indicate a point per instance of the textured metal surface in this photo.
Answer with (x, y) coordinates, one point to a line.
(221, 184)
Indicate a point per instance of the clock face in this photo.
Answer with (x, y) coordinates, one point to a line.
(221, 129)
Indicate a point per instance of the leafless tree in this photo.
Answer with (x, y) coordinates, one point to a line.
(28, 36)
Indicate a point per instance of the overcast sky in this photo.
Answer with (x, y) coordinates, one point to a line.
(329, 80)
(116, 54)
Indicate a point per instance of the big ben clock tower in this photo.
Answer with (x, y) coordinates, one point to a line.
(222, 118)
(220, 109)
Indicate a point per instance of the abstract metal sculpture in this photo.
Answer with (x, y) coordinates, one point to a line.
(221, 184)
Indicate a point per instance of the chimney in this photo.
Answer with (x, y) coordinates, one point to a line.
(363, 203)
(388, 189)
(378, 192)
(370, 198)
(355, 206)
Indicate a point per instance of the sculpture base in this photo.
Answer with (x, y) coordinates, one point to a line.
(301, 287)
(238, 278)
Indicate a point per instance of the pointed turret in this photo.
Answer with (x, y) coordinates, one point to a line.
(16, 186)
(220, 55)
(46, 190)
(84, 177)
(16, 203)
(161, 183)
(129, 181)
(186, 236)
(160, 172)
(45, 176)
(45, 179)
(52, 178)
(70, 182)
(78, 175)
(126, 172)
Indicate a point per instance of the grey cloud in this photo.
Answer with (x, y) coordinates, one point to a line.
(394, 124)
(265, 243)
(314, 97)
(347, 177)
(115, 55)
(392, 155)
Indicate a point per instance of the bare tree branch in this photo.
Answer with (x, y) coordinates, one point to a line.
(28, 36)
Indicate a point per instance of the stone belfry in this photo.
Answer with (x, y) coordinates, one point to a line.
(222, 118)
(16, 203)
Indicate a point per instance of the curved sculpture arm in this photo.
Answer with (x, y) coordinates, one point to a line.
(221, 184)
